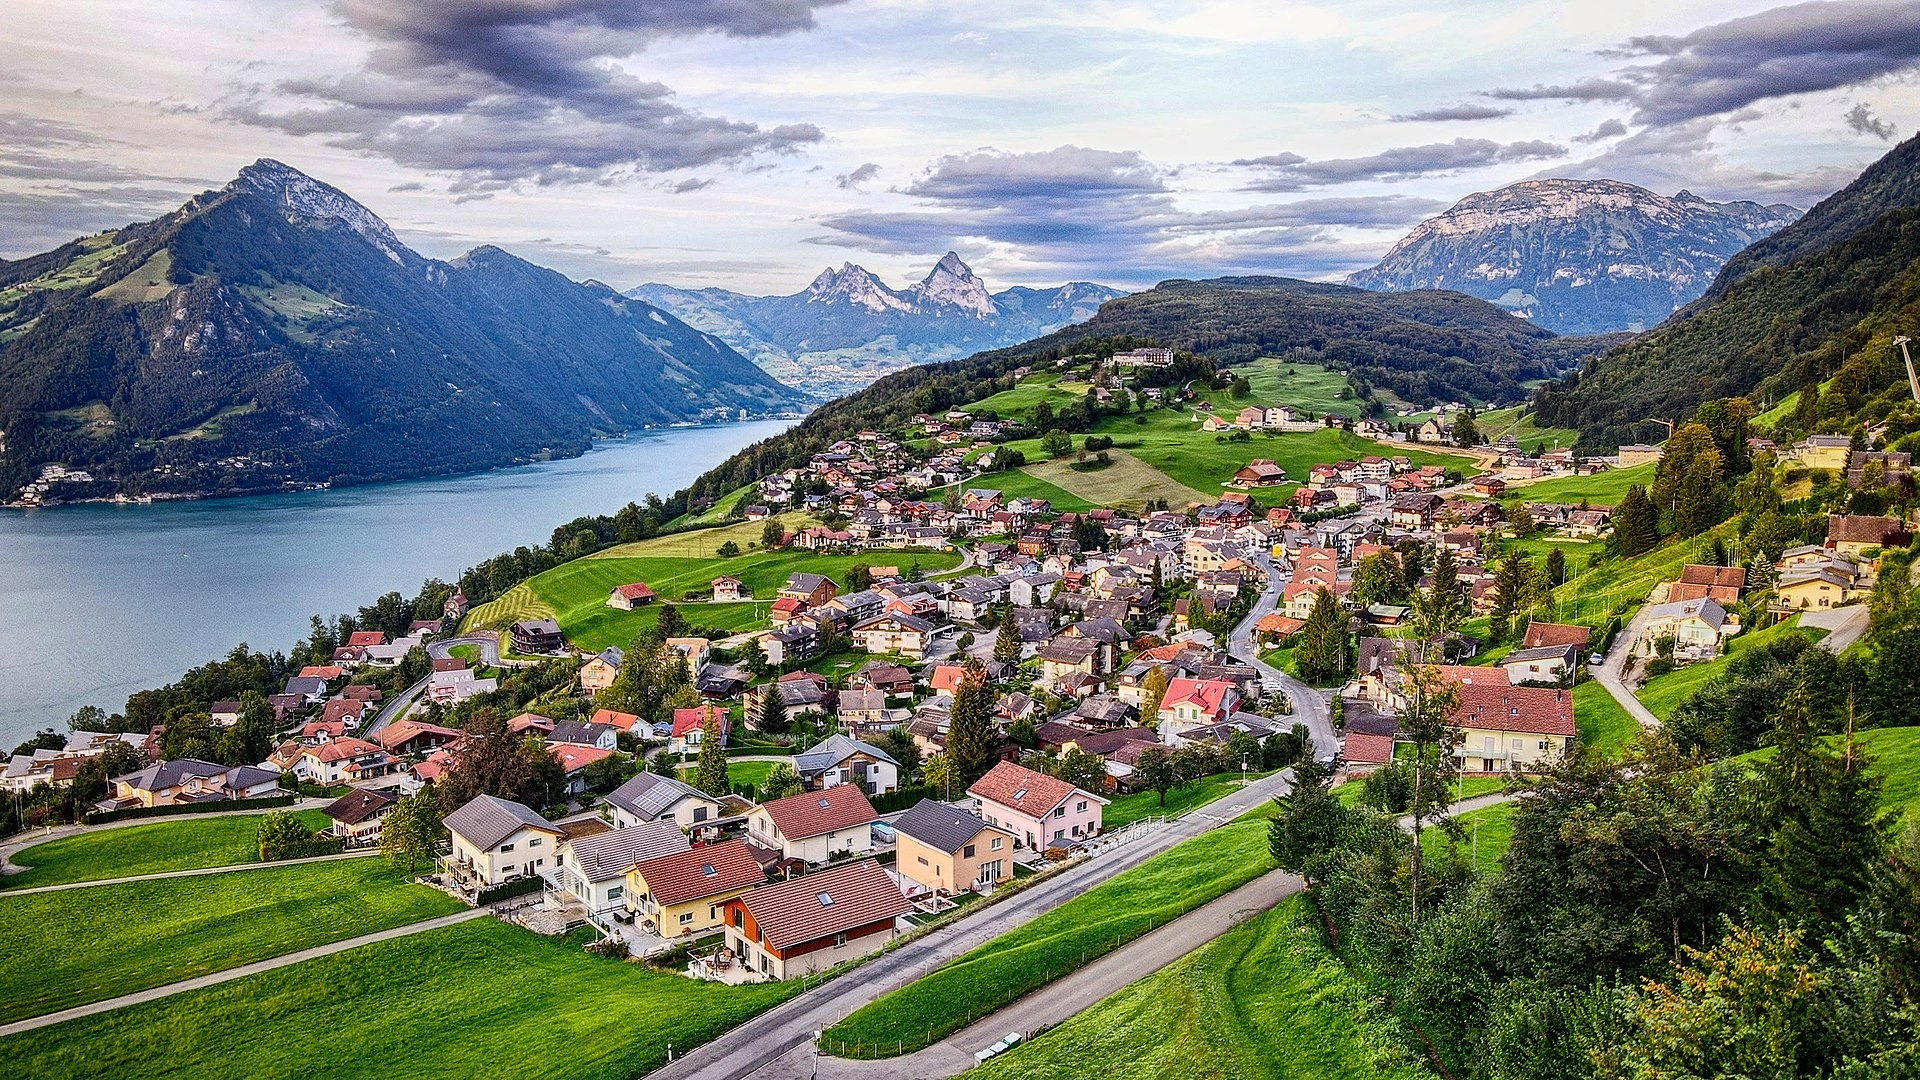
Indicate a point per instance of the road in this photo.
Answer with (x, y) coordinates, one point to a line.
(1611, 671)
(395, 709)
(1310, 706)
(770, 1036)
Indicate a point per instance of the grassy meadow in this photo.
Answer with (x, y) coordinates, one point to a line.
(1602, 489)
(185, 844)
(1601, 721)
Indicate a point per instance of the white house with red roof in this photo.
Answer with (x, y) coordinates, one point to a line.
(1195, 703)
(1509, 728)
(1037, 809)
(816, 825)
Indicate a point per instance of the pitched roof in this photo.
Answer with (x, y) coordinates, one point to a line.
(822, 904)
(648, 795)
(1207, 695)
(1860, 529)
(708, 870)
(939, 825)
(833, 750)
(1705, 574)
(607, 855)
(358, 805)
(1364, 749)
(815, 813)
(573, 756)
(487, 820)
(1542, 634)
(1529, 710)
(1022, 789)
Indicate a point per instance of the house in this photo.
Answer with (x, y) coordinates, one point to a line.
(1542, 634)
(1064, 658)
(682, 894)
(689, 727)
(895, 633)
(1894, 469)
(838, 760)
(496, 840)
(414, 737)
(947, 850)
(454, 685)
(357, 815)
(1813, 585)
(599, 672)
(695, 651)
(811, 590)
(1543, 664)
(728, 590)
(343, 761)
(1853, 535)
(1491, 487)
(1039, 810)
(808, 924)
(531, 636)
(1191, 703)
(593, 869)
(224, 713)
(1508, 728)
(791, 643)
(189, 780)
(628, 597)
(1258, 473)
(1634, 454)
(649, 797)
(1700, 581)
(1697, 628)
(814, 826)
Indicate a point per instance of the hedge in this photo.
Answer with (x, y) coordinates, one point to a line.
(510, 890)
(99, 817)
(903, 799)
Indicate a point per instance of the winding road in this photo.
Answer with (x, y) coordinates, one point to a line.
(1310, 706)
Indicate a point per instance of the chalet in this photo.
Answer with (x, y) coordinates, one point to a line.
(356, 816)
(689, 727)
(628, 597)
(808, 924)
(599, 672)
(791, 643)
(1853, 535)
(188, 780)
(811, 590)
(894, 633)
(415, 737)
(1697, 628)
(1508, 728)
(727, 590)
(1491, 487)
(593, 868)
(534, 636)
(1553, 664)
(1261, 472)
(1542, 634)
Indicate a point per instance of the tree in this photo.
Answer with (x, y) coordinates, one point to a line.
(282, 836)
(1006, 643)
(1243, 751)
(1636, 527)
(1426, 720)
(1154, 772)
(1466, 433)
(1824, 808)
(1556, 567)
(662, 764)
(1322, 654)
(608, 773)
(859, 577)
(773, 710)
(971, 738)
(899, 745)
(772, 533)
(1242, 387)
(935, 774)
(1689, 483)
(710, 775)
(1057, 443)
(1510, 587)
(410, 833)
(1023, 733)
(494, 763)
(1306, 835)
(727, 550)
(782, 780)
(1376, 580)
(89, 718)
(1081, 769)
(671, 624)
(1153, 690)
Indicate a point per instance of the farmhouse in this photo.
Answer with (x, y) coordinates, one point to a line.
(628, 597)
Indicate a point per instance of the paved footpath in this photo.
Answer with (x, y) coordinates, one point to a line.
(240, 972)
(199, 871)
(1610, 672)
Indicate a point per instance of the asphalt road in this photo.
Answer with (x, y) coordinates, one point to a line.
(753, 1045)
(1310, 706)
(1611, 671)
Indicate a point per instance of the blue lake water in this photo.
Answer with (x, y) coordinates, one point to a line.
(99, 601)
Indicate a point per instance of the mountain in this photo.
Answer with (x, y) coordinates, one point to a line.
(1577, 256)
(847, 327)
(1821, 298)
(275, 333)
(1426, 347)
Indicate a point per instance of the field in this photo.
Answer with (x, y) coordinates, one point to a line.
(1467, 787)
(575, 593)
(1265, 1000)
(1126, 809)
(1664, 693)
(1128, 481)
(478, 999)
(1018, 962)
(1591, 596)
(1305, 386)
(1019, 483)
(1602, 723)
(1517, 421)
(1031, 391)
(1602, 489)
(144, 849)
(1895, 753)
(106, 940)
(1489, 831)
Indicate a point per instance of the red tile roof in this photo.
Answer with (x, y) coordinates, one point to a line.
(1364, 749)
(686, 721)
(1022, 789)
(1724, 576)
(703, 871)
(401, 732)
(615, 719)
(573, 757)
(816, 813)
(1209, 695)
(361, 639)
(1531, 710)
(639, 590)
(1542, 634)
(819, 905)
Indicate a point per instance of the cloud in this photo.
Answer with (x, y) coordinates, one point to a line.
(1112, 215)
(1728, 66)
(1454, 112)
(1608, 129)
(1291, 172)
(500, 93)
(692, 184)
(849, 180)
(1667, 159)
(1861, 121)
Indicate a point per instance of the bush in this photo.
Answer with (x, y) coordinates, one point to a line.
(1658, 666)
(508, 891)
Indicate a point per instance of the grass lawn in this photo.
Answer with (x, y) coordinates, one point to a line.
(181, 844)
(1305, 386)
(1029, 392)
(100, 942)
(1896, 761)
(1019, 483)
(575, 593)
(1018, 962)
(1196, 459)
(1602, 723)
(1264, 1000)
(1603, 488)
(478, 999)
(1126, 809)
(1664, 693)
(1517, 421)
(749, 773)
(1489, 831)
(1467, 787)
(1128, 481)
(1591, 595)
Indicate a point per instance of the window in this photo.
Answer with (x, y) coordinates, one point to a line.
(504, 848)
(996, 843)
(533, 842)
(967, 851)
(839, 940)
(1545, 745)
(738, 919)
(686, 917)
(923, 860)
(699, 813)
(713, 913)
(1060, 811)
(1080, 807)
(616, 892)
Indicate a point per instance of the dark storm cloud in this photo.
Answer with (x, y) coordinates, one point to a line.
(1455, 112)
(692, 184)
(1726, 67)
(1667, 159)
(1291, 172)
(504, 91)
(1608, 129)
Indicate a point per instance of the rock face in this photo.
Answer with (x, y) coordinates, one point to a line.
(1577, 256)
(275, 333)
(848, 327)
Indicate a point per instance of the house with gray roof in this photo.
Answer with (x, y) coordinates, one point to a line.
(838, 759)
(497, 840)
(593, 869)
(941, 848)
(189, 780)
(648, 797)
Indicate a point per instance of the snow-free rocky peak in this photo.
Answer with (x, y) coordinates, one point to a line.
(952, 283)
(854, 285)
(305, 200)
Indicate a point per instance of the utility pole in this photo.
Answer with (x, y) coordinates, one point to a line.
(1913, 380)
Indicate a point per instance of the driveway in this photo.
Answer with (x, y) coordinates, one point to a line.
(1310, 706)
(775, 1033)
(1844, 626)
(1610, 672)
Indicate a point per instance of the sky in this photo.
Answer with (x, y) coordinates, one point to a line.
(748, 143)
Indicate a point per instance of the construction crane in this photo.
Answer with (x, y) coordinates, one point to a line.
(1668, 424)
(1913, 381)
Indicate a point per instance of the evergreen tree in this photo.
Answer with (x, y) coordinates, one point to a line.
(1828, 830)
(971, 737)
(1426, 720)
(773, 710)
(782, 780)
(1323, 656)
(1636, 525)
(1006, 643)
(1305, 836)
(1556, 567)
(710, 775)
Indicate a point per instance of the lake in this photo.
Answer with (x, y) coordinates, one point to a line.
(98, 601)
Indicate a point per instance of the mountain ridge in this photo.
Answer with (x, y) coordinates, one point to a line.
(275, 333)
(848, 327)
(1576, 256)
